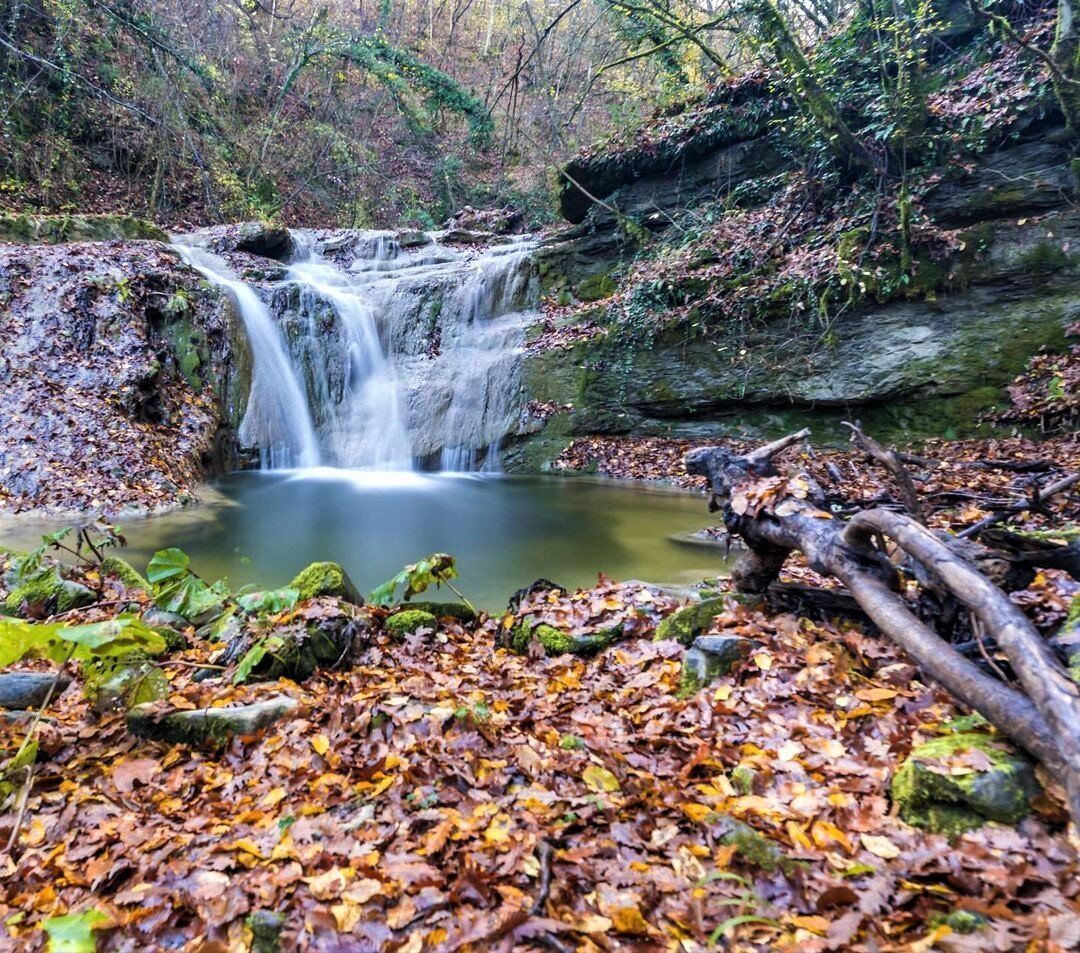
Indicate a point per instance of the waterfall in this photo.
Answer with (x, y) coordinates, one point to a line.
(430, 340)
(366, 427)
(385, 350)
(277, 419)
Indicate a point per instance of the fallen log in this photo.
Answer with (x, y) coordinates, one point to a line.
(776, 515)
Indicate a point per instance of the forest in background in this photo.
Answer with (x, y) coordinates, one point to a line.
(346, 114)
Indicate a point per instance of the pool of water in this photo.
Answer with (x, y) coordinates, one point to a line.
(263, 527)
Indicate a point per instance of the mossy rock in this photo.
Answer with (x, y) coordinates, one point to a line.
(407, 621)
(445, 610)
(755, 849)
(326, 579)
(689, 622)
(595, 287)
(948, 803)
(556, 641)
(712, 657)
(49, 592)
(121, 569)
(53, 229)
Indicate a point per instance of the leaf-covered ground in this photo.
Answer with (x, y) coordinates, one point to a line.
(446, 794)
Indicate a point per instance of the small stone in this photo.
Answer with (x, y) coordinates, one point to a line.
(29, 689)
(121, 569)
(711, 657)
(207, 725)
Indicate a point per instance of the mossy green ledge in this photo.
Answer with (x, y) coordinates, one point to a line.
(557, 642)
(26, 229)
(940, 790)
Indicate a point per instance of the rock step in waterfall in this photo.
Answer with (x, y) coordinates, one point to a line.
(370, 355)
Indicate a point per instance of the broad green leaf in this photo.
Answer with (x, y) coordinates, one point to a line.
(273, 600)
(95, 640)
(168, 564)
(255, 655)
(429, 571)
(188, 596)
(74, 933)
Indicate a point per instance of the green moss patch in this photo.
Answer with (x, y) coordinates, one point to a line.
(407, 621)
(959, 782)
(556, 641)
(53, 229)
(689, 622)
(326, 579)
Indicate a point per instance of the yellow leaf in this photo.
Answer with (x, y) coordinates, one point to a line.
(599, 779)
(875, 694)
(818, 925)
(880, 846)
(798, 836)
(328, 886)
(763, 661)
(248, 846)
(696, 812)
(498, 831)
(629, 920)
(825, 834)
(321, 744)
(346, 915)
(276, 796)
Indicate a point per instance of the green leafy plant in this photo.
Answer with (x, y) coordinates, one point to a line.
(271, 645)
(434, 570)
(177, 588)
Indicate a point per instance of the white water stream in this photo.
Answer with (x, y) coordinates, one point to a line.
(375, 357)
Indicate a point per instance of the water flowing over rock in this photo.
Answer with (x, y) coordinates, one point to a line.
(409, 351)
(277, 420)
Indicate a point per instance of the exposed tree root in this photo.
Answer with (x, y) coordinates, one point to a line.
(777, 514)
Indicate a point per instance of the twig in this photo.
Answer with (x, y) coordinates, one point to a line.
(892, 463)
(1038, 498)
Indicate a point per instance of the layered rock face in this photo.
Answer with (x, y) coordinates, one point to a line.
(122, 373)
(927, 361)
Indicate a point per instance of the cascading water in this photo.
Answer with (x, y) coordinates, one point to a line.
(366, 427)
(277, 419)
(422, 363)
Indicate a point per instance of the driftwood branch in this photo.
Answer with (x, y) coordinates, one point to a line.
(774, 520)
(892, 462)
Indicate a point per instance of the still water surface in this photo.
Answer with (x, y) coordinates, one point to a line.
(263, 527)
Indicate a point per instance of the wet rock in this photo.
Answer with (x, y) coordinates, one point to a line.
(711, 657)
(20, 690)
(326, 579)
(255, 238)
(539, 585)
(410, 620)
(959, 782)
(207, 725)
(689, 622)
(499, 221)
(413, 239)
(155, 617)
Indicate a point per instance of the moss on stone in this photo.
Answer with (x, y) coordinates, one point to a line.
(710, 658)
(326, 579)
(446, 610)
(53, 229)
(755, 849)
(951, 803)
(595, 287)
(690, 621)
(49, 591)
(123, 570)
(556, 641)
(402, 623)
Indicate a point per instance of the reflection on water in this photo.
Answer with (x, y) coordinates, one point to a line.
(504, 531)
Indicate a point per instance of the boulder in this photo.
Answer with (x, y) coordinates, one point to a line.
(959, 782)
(445, 610)
(49, 593)
(326, 579)
(207, 725)
(711, 657)
(690, 621)
(20, 690)
(255, 238)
